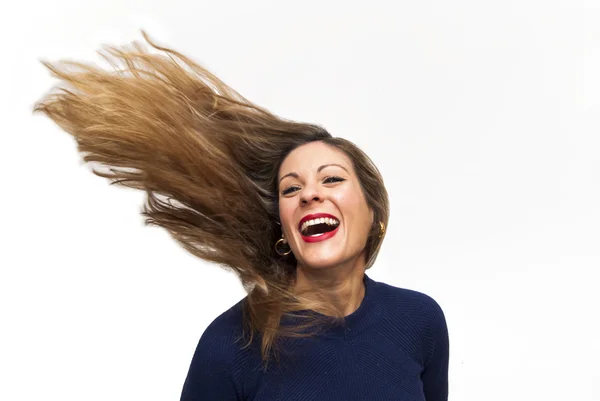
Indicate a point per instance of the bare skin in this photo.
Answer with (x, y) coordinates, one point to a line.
(335, 265)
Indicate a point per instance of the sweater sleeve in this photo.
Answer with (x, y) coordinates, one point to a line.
(435, 374)
(210, 376)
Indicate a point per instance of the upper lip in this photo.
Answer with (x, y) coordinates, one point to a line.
(315, 216)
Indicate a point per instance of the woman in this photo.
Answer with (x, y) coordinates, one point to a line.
(297, 215)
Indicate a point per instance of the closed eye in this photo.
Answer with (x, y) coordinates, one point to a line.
(326, 180)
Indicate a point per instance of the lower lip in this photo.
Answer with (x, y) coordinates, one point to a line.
(322, 237)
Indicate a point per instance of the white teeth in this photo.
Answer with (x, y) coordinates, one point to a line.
(321, 220)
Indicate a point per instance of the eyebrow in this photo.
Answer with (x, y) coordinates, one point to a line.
(295, 175)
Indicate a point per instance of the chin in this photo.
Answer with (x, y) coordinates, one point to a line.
(320, 263)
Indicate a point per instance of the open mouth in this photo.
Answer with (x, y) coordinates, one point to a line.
(319, 229)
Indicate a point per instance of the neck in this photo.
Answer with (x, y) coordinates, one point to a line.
(341, 285)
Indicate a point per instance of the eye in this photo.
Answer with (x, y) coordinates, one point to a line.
(289, 190)
(334, 179)
(327, 180)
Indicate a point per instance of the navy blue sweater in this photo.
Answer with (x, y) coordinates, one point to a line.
(394, 347)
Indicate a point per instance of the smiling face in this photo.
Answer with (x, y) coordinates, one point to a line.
(317, 178)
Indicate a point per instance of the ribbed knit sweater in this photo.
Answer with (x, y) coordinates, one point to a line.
(394, 347)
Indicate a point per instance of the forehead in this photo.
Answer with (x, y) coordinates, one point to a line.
(310, 156)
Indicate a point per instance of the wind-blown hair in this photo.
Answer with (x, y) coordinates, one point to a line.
(208, 160)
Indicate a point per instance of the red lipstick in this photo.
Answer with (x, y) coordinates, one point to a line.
(321, 237)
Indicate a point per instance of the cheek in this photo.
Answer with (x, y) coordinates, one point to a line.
(285, 211)
(349, 201)
(354, 206)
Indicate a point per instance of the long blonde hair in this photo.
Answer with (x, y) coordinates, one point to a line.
(208, 161)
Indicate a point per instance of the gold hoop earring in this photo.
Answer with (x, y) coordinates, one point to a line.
(276, 250)
(382, 231)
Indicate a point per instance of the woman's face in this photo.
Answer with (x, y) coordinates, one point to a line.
(318, 185)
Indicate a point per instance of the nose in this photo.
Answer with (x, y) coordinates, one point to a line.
(310, 194)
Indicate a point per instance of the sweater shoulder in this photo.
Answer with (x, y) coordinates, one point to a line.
(228, 319)
(222, 337)
(218, 366)
(410, 301)
(412, 319)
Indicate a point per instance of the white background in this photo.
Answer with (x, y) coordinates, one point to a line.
(482, 116)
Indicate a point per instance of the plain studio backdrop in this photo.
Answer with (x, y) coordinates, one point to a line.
(483, 118)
